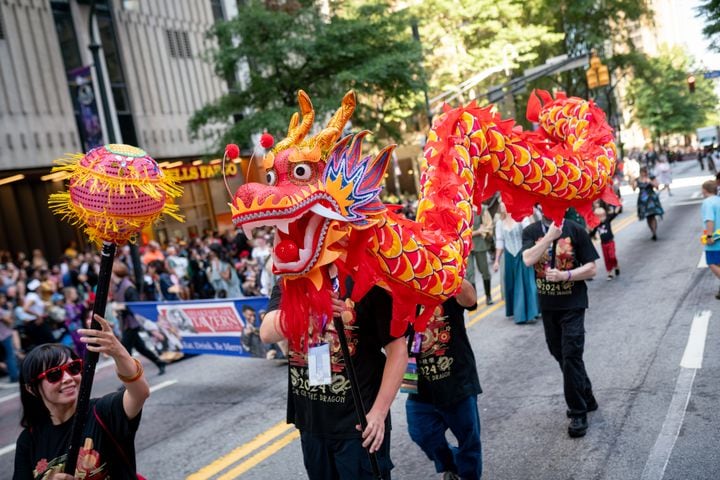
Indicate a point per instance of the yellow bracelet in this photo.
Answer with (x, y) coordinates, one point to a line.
(138, 373)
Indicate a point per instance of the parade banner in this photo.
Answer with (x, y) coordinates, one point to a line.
(219, 327)
(80, 81)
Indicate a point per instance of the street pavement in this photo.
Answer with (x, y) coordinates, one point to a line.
(223, 417)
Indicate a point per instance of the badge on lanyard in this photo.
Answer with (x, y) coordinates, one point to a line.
(417, 343)
(319, 365)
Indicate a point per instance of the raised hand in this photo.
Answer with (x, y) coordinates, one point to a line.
(103, 340)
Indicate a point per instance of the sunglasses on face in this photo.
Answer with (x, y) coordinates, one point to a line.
(55, 374)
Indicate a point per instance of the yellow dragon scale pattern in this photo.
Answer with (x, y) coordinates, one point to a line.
(418, 260)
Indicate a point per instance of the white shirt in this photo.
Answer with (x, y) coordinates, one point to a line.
(510, 238)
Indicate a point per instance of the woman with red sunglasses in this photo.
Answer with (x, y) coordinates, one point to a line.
(49, 386)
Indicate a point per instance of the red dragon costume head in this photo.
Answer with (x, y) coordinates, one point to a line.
(322, 196)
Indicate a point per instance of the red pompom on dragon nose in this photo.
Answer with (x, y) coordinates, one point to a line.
(266, 140)
(287, 251)
(232, 151)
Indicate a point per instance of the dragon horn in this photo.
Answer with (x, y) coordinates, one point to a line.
(343, 114)
(329, 135)
(297, 133)
(294, 120)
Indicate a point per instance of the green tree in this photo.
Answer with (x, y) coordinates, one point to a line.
(661, 99)
(587, 25)
(362, 46)
(710, 10)
(465, 37)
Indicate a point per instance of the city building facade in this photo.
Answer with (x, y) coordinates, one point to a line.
(152, 63)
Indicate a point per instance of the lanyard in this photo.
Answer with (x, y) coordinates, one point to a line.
(335, 283)
(552, 247)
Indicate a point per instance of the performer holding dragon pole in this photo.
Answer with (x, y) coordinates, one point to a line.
(114, 191)
(322, 195)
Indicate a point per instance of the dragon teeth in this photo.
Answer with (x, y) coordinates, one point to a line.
(284, 227)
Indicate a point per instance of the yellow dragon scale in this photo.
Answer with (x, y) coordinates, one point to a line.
(470, 154)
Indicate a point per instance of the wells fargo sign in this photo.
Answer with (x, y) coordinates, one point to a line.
(191, 173)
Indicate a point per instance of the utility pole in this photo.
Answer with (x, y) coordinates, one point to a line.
(110, 129)
(416, 36)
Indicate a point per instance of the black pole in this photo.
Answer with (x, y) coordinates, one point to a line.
(91, 358)
(355, 390)
(416, 36)
(350, 367)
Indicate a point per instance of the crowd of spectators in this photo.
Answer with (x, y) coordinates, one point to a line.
(42, 302)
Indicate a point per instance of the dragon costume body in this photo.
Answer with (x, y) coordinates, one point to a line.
(322, 195)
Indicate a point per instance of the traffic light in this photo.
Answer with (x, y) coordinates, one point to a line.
(691, 83)
(598, 74)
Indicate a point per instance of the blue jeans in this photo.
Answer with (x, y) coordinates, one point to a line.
(10, 360)
(427, 425)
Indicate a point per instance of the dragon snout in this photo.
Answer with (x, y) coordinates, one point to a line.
(249, 192)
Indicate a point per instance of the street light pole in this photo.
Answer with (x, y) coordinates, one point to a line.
(416, 37)
(95, 50)
(110, 129)
(108, 256)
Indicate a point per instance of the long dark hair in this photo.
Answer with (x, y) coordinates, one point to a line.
(39, 359)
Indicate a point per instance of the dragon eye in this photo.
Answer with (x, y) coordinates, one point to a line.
(271, 177)
(302, 171)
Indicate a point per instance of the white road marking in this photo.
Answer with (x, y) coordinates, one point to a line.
(689, 365)
(7, 449)
(164, 384)
(702, 263)
(687, 202)
(10, 397)
(692, 358)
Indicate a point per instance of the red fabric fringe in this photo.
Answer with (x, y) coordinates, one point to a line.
(302, 303)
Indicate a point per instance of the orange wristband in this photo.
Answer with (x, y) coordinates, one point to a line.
(138, 373)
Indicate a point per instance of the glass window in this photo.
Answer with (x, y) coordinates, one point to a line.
(178, 44)
(120, 97)
(172, 47)
(186, 43)
(70, 51)
(113, 61)
(2, 26)
(112, 56)
(66, 36)
(217, 9)
(127, 127)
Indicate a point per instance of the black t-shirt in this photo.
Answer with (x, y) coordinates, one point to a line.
(573, 249)
(43, 449)
(605, 229)
(445, 363)
(328, 410)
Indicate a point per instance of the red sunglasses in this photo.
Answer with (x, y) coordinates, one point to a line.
(55, 374)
